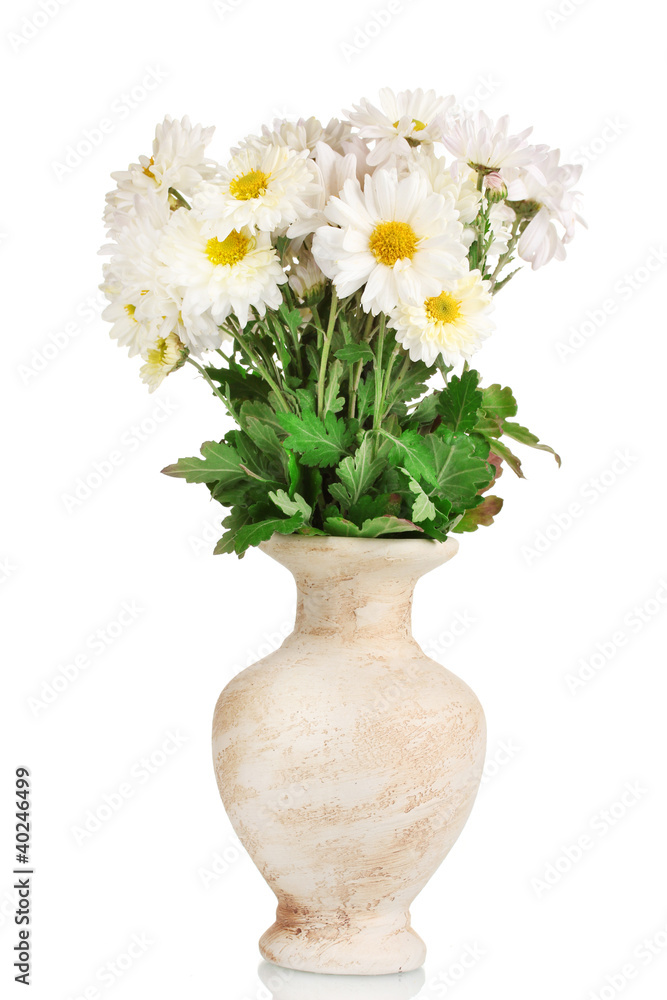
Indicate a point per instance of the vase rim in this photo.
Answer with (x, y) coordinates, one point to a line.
(387, 548)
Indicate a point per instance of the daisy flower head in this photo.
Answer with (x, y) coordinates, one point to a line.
(397, 237)
(126, 329)
(332, 170)
(162, 358)
(487, 146)
(216, 277)
(551, 206)
(140, 303)
(451, 324)
(404, 121)
(301, 135)
(462, 188)
(265, 188)
(177, 161)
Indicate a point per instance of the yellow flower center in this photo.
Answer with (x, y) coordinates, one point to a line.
(130, 310)
(156, 354)
(148, 171)
(416, 124)
(443, 308)
(250, 185)
(230, 251)
(392, 241)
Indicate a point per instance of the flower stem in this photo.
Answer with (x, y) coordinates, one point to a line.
(387, 377)
(262, 371)
(326, 347)
(207, 378)
(377, 414)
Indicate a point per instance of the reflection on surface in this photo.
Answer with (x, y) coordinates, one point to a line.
(284, 984)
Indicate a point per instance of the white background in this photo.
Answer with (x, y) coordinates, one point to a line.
(591, 80)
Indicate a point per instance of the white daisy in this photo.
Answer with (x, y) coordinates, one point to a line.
(463, 188)
(141, 306)
(397, 237)
(166, 355)
(218, 277)
(487, 146)
(332, 171)
(452, 324)
(301, 135)
(548, 203)
(125, 327)
(177, 161)
(406, 120)
(265, 188)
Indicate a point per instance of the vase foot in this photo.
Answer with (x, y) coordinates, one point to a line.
(372, 947)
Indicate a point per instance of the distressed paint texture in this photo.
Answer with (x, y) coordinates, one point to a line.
(347, 760)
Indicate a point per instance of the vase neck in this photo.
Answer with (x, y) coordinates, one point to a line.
(351, 604)
(357, 589)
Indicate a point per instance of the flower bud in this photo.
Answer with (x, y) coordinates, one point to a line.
(495, 187)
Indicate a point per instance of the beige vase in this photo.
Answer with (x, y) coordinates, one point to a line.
(348, 761)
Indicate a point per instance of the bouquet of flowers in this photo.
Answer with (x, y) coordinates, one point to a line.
(326, 283)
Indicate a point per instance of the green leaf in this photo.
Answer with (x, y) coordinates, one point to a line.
(498, 402)
(414, 381)
(255, 410)
(410, 450)
(342, 527)
(291, 317)
(340, 495)
(359, 471)
(220, 463)
(355, 352)
(370, 506)
(333, 403)
(294, 472)
(262, 432)
(387, 524)
(483, 514)
(423, 509)
(425, 412)
(488, 426)
(446, 461)
(291, 506)
(239, 383)
(306, 399)
(508, 456)
(372, 528)
(261, 531)
(319, 442)
(524, 436)
(366, 396)
(459, 472)
(236, 519)
(459, 402)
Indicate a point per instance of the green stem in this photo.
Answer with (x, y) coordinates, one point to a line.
(178, 197)
(262, 371)
(377, 414)
(399, 378)
(326, 347)
(387, 377)
(359, 367)
(505, 258)
(206, 376)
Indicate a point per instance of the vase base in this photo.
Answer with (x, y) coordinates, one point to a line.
(372, 948)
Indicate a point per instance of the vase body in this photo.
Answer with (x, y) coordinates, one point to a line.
(347, 760)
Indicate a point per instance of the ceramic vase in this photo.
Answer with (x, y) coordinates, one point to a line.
(348, 761)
